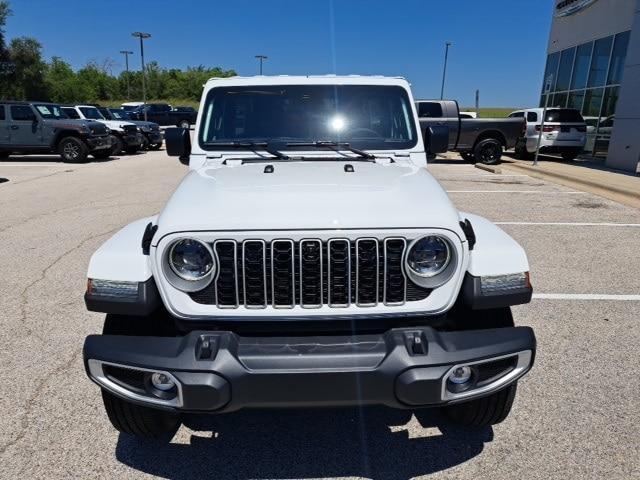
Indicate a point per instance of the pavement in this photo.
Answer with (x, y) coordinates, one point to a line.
(576, 414)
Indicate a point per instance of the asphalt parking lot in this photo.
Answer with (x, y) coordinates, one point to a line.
(576, 414)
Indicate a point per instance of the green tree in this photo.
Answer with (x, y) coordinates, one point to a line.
(27, 78)
(5, 60)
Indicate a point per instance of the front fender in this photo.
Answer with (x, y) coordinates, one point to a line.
(121, 257)
(495, 252)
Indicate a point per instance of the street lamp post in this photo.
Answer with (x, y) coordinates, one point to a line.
(261, 58)
(142, 36)
(444, 70)
(126, 54)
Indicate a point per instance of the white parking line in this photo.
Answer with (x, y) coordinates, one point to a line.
(585, 296)
(518, 191)
(571, 224)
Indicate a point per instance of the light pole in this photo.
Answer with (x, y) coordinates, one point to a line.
(142, 36)
(261, 58)
(126, 54)
(444, 70)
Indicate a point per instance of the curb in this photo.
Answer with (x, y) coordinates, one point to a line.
(631, 196)
(489, 168)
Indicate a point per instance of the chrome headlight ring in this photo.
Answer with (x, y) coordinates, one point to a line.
(439, 274)
(181, 280)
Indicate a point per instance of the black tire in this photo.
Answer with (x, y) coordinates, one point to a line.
(485, 411)
(468, 156)
(488, 151)
(131, 150)
(73, 150)
(184, 124)
(117, 147)
(145, 143)
(101, 154)
(4, 155)
(155, 146)
(569, 155)
(521, 152)
(140, 421)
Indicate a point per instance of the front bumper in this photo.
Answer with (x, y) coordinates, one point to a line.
(98, 143)
(221, 371)
(154, 136)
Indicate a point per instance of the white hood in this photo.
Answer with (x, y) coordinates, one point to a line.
(307, 195)
(114, 124)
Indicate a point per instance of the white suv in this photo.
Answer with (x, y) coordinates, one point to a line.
(564, 132)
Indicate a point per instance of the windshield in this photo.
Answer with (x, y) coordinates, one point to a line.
(366, 116)
(51, 111)
(118, 115)
(92, 113)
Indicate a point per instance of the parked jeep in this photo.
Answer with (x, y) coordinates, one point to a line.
(308, 259)
(163, 114)
(125, 135)
(38, 127)
(151, 134)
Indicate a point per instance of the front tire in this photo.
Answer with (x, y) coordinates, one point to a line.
(184, 124)
(570, 155)
(155, 146)
(131, 150)
(143, 422)
(485, 411)
(468, 156)
(488, 151)
(4, 155)
(73, 150)
(116, 148)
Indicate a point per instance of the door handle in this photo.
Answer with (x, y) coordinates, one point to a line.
(14, 127)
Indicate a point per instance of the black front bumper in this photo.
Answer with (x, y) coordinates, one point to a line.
(402, 368)
(98, 143)
(154, 136)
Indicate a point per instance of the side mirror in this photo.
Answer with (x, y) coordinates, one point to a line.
(178, 143)
(436, 139)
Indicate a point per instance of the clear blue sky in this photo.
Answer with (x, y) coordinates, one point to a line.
(499, 46)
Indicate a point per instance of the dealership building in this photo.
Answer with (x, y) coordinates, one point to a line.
(593, 65)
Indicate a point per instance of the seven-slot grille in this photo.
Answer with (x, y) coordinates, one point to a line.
(309, 273)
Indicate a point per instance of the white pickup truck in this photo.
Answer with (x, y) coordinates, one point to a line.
(307, 259)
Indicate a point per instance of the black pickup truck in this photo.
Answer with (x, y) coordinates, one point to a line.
(476, 139)
(163, 114)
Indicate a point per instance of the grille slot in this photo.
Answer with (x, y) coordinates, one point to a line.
(310, 273)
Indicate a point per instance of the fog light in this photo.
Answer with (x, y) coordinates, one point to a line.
(162, 381)
(460, 375)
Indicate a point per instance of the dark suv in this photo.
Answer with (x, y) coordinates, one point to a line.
(163, 114)
(39, 127)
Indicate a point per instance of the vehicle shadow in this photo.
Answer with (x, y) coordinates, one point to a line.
(17, 159)
(369, 442)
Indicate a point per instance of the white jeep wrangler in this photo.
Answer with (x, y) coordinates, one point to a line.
(308, 259)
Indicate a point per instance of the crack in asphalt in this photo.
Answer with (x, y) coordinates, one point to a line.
(24, 301)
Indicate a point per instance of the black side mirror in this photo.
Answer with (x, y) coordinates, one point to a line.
(436, 139)
(178, 143)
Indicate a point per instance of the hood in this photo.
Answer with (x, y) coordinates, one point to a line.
(115, 124)
(142, 123)
(307, 195)
(72, 123)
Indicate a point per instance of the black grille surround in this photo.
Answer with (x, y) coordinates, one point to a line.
(310, 273)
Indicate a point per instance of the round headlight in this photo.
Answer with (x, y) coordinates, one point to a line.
(429, 256)
(190, 259)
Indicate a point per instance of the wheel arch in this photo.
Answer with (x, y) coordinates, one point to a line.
(491, 134)
(62, 134)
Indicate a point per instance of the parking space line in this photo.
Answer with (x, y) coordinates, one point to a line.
(571, 224)
(586, 296)
(518, 191)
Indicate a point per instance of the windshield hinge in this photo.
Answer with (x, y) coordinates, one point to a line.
(468, 232)
(149, 232)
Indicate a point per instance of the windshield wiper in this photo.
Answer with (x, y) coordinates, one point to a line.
(336, 147)
(253, 146)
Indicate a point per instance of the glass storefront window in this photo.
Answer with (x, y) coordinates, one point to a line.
(575, 100)
(551, 69)
(617, 58)
(560, 100)
(581, 66)
(600, 62)
(564, 70)
(592, 102)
